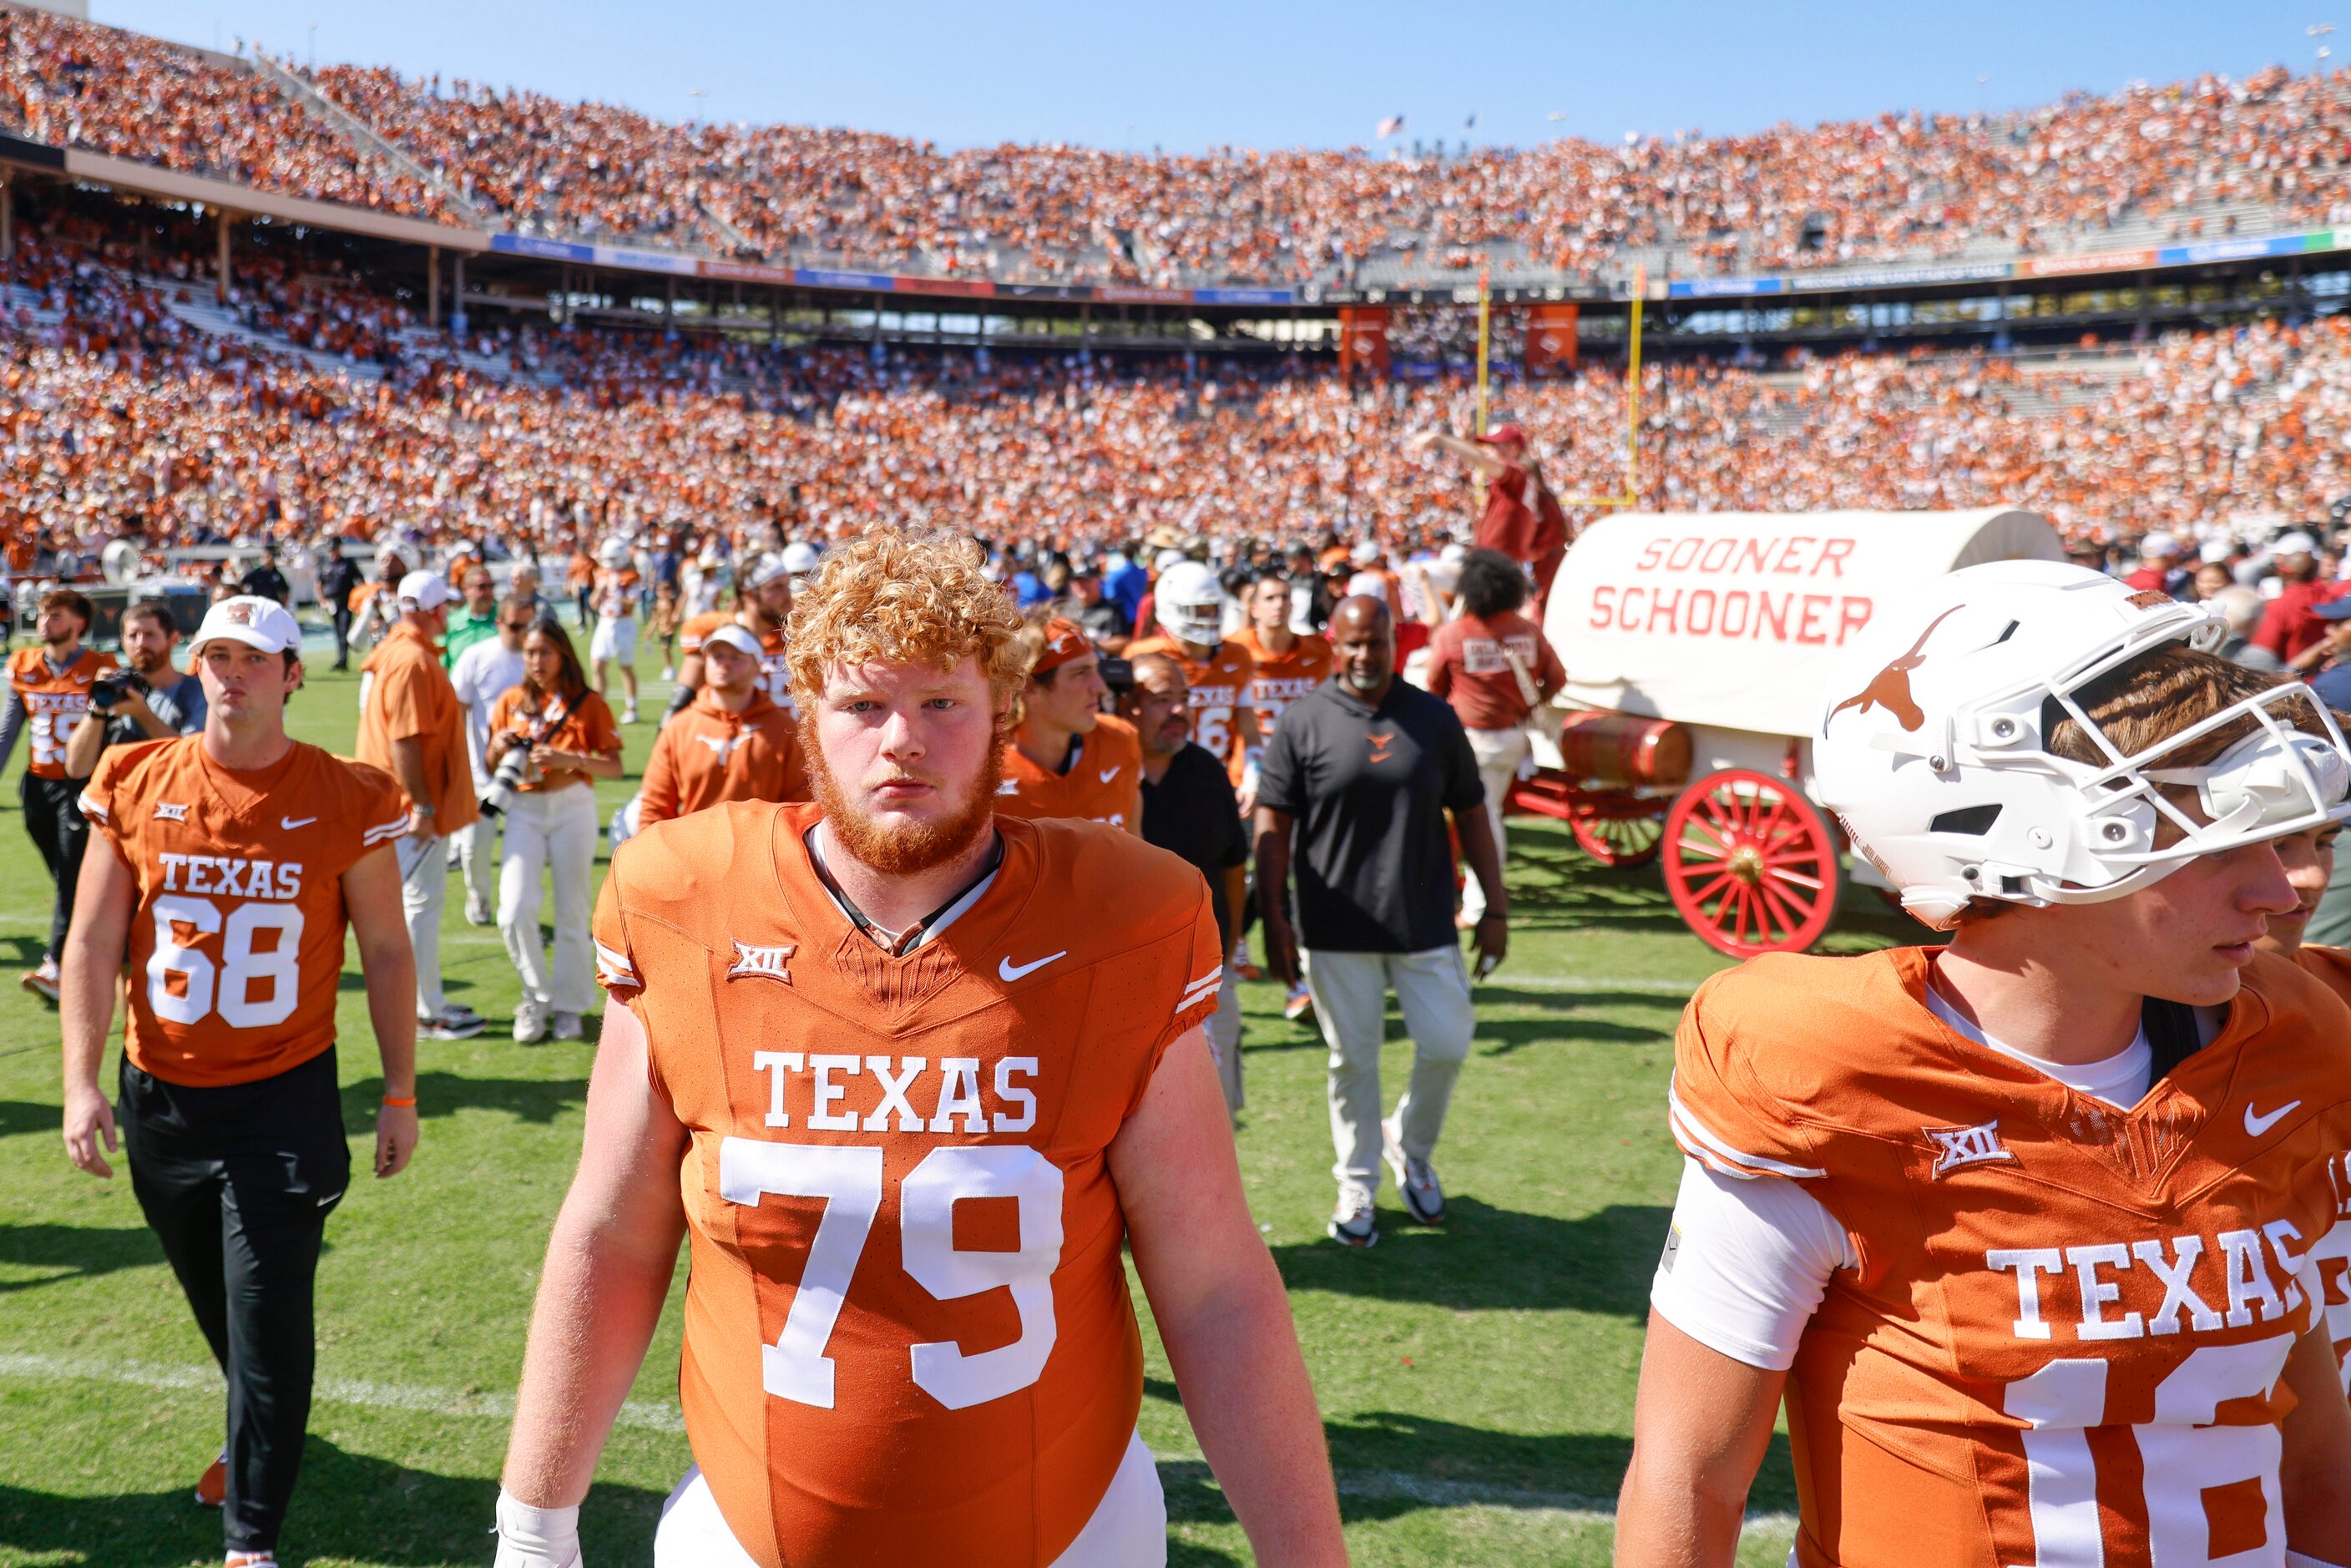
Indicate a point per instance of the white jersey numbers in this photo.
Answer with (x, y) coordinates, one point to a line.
(850, 1181)
(249, 989)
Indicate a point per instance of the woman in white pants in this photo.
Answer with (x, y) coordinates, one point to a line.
(568, 734)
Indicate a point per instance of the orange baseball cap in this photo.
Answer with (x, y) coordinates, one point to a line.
(1064, 640)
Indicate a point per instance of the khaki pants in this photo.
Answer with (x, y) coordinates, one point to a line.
(424, 888)
(1350, 991)
(1225, 1042)
(478, 854)
(1499, 753)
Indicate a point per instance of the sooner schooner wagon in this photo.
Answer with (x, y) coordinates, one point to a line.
(1696, 646)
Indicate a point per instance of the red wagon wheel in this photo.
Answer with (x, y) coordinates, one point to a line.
(1615, 835)
(1751, 863)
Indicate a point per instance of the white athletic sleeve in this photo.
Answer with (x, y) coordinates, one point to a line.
(1746, 1264)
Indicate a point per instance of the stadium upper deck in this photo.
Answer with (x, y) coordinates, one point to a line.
(2187, 164)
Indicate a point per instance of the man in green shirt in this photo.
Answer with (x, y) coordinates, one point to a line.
(477, 620)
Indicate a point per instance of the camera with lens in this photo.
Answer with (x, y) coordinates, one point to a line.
(1118, 674)
(107, 692)
(511, 774)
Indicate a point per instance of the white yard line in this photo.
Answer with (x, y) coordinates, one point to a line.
(658, 1415)
(1508, 979)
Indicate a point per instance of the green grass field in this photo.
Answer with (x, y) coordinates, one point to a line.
(1476, 1381)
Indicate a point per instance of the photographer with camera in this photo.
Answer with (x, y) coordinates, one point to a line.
(549, 737)
(148, 699)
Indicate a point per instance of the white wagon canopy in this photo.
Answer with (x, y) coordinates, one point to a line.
(1730, 618)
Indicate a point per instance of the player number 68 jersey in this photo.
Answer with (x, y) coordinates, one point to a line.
(236, 938)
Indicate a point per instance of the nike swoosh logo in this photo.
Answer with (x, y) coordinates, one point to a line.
(288, 825)
(2256, 1126)
(1007, 970)
(1107, 778)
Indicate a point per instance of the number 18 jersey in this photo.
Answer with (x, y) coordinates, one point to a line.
(908, 1337)
(2063, 1341)
(236, 939)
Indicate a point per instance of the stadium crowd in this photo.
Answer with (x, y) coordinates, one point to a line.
(74, 84)
(122, 420)
(1897, 186)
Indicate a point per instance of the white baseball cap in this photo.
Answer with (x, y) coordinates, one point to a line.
(767, 569)
(2157, 543)
(736, 636)
(424, 591)
(255, 621)
(2217, 551)
(2295, 543)
(1365, 553)
(801, 558)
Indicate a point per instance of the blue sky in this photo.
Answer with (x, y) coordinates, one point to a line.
(1319, 74)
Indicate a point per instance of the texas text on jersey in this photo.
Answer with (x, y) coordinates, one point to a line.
(908, 1337)
(2064, 1340)
(1280, 679)
(1220, 689)
(237, 944)
(1103, 784)
(54, 702)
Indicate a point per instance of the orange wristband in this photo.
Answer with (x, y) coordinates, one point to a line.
(407, 1104)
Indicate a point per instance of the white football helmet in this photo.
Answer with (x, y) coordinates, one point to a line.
(613, 552)
(1930, 745)
(1189, 603)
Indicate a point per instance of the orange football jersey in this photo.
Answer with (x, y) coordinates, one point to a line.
(2064, 1338)
(54, 702)
(908, 1337)
(236, 939)
(1104, 785)
(705, 756)
(1280, 679)
(775, 673)
(2331, 966)
(1221, 690)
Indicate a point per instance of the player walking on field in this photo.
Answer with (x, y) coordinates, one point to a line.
(234, 860)
(48, 691)
(2026, 1229)
(922, 1070)
(1066, 757)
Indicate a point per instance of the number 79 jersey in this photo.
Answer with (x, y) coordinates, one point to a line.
(908, 1337)
(236, 937)
(2063, 1341)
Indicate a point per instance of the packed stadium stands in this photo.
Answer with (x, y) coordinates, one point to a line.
(2202, 158)
(312, 403)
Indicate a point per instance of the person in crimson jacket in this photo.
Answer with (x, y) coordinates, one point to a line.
(2290, 628)
(1494, 666)
(1523, 520)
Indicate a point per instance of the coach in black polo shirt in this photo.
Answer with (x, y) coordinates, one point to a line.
(1189, 809)
(1360, 775)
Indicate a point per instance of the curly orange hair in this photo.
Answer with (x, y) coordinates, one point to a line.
(896, 598)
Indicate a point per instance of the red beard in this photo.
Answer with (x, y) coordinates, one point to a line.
(902, 849)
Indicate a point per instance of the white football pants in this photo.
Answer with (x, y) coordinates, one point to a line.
(1128, 1530)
